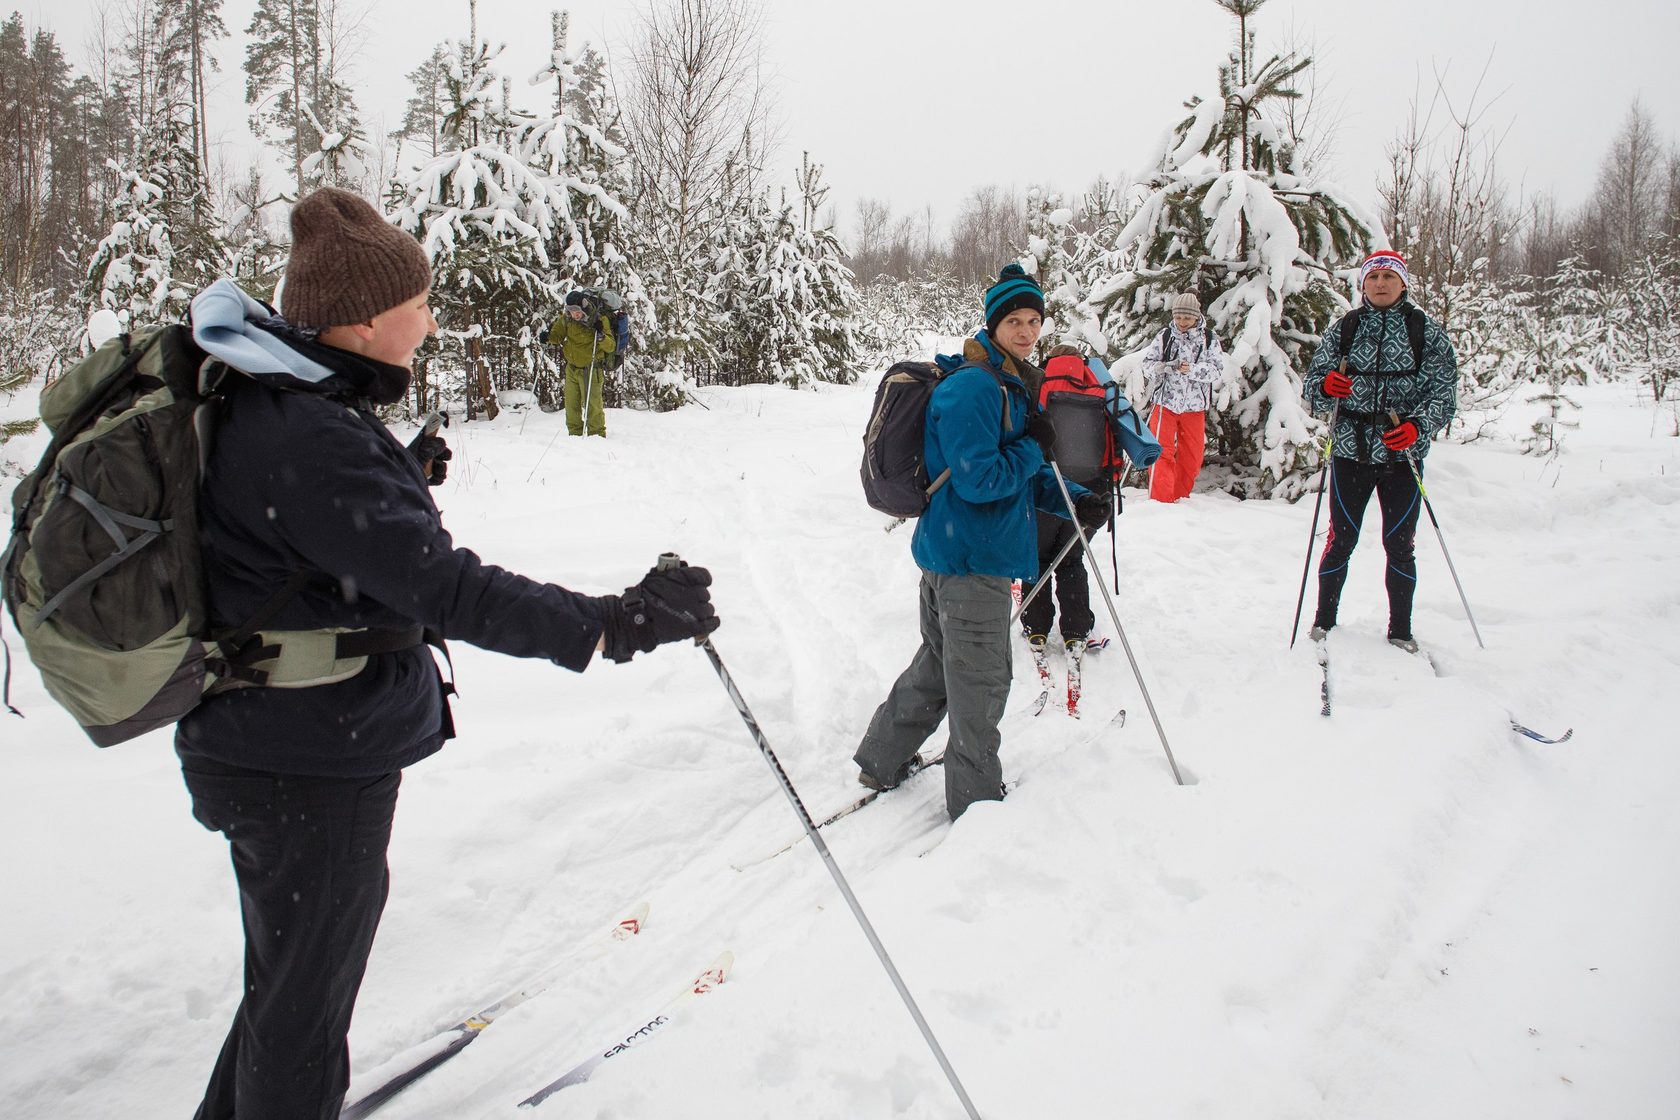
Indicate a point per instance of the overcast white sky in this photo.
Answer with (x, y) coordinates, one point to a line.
(920, 101)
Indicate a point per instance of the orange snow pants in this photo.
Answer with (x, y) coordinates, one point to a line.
(1183, 437)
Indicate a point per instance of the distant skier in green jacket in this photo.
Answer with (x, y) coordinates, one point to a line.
(585, 336)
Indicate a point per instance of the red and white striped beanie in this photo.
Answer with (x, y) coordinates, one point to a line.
(1385, 258)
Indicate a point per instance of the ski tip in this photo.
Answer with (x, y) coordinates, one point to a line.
(631, 924)
(716, 973)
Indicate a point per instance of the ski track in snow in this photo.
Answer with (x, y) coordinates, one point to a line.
(1404, 910)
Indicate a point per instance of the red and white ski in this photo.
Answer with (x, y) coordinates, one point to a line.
(423, 1059)
(716, 973)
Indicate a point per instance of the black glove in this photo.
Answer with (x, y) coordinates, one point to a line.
(433, 455)
(1041, 429)
(667, 606)
(1092, 511)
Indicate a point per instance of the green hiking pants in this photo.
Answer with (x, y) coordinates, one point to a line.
(581, 384)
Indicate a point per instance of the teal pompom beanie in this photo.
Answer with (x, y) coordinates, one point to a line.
(1014, 290)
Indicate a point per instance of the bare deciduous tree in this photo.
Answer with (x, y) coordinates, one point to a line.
(694, 107)
(988, 233)
(1444, 202)
(1627, 207)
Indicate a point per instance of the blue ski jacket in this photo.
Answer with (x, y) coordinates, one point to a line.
(981, 521)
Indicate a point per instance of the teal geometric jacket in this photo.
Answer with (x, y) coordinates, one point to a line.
(1384, 380)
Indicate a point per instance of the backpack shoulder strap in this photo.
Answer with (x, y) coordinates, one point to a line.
(1416, 321)
(1348, 324)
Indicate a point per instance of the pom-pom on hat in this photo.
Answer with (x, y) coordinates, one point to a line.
(1014, 290)
(1385, 258)
(348, 263)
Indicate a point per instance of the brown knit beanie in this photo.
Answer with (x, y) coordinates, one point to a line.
(348, 263)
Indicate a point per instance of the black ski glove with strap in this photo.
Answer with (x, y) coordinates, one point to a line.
(1092, 511)
(670, 604)
(433, 455)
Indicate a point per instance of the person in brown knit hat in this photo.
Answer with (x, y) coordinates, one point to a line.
(313, 512)
(348, 263)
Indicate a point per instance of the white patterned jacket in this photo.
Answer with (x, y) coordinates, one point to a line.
(1191, 391)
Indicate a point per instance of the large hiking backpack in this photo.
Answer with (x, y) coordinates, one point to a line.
(604, 301)
(1096, 426)
(103, 573)
(894, 471)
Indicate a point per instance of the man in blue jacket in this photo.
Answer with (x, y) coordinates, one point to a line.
(314, 514)
(977, 535)
(1393, 385)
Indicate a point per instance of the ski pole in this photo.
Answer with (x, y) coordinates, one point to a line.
(670, 560)
(589, 380)
(1114, 615)
(1318, 504)
(1417, 477)
(1038, 584)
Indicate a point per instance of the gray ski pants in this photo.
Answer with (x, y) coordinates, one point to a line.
(962, 672)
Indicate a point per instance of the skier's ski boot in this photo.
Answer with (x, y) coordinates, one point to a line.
(869, 781)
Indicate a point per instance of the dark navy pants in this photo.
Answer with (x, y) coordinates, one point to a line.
(309, 857)
(1351, 485)
(1072, 587)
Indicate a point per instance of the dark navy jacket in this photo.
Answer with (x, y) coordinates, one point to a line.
(304, 477)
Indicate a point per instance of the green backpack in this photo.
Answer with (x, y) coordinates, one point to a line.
(103, 574)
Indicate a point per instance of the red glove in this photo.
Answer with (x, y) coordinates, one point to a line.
(1398, 439)
(1338, 384)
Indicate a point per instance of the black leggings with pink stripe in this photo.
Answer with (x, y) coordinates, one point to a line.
(1351, 484)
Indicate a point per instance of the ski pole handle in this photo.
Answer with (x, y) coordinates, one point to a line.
(433, 421)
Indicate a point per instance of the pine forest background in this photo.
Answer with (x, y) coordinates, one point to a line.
(657, 178)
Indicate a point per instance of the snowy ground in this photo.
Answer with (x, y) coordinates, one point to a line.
(1402, 911)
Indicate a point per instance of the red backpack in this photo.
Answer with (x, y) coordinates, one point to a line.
(1079, 408)
(1097, 429)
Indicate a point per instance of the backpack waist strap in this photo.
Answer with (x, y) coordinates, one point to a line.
(305, 658)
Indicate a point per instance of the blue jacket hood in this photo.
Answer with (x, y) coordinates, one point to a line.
(231, 326)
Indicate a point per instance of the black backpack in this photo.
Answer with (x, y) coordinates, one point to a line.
(894, 471)
(1415, 323)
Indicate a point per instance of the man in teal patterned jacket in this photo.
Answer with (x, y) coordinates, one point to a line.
(1394, 388)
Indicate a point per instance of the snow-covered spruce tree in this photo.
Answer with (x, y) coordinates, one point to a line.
(1556, 338)
(36, 333)
(342, 157)
(1049, 255)
(1645, 320)
(1102, 212)
(1481, 331)
(1266, 248)
(487, 210)
(821, 286)
(131, 272)
(781, 300)
(164, 244)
